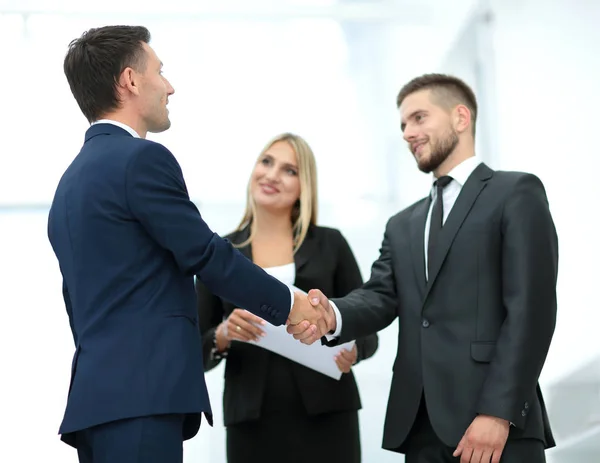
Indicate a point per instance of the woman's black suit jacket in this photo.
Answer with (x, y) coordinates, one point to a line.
(324, 261)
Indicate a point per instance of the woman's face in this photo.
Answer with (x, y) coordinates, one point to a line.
(275, 183)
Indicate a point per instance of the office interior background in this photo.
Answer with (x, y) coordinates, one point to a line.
(329, 70)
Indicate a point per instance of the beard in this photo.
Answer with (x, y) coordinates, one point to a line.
(441, 149)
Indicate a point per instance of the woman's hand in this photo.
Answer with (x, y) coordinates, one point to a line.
(240, 326)
(346, 358)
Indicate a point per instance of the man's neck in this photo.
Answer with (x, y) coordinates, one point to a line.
(455, 158)
(129, 120)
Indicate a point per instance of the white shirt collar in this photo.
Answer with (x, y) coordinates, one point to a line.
(462, 172)
(118, 124)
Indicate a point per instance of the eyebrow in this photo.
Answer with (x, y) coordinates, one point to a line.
(267, 155)
(410, 116)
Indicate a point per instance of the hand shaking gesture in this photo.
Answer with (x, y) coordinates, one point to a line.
(311, 317)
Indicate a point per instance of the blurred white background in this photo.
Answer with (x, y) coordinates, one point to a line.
(330, 71)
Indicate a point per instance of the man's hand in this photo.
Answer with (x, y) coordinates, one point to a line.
(302, 328)
(346, 358)
(483, 441)
(307, 318)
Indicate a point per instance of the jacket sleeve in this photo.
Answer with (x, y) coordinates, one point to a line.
(348, 278)
(530, 268)
(372, 307)
(159, 200)
(210, 314)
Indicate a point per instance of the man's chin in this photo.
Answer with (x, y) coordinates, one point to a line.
(160, 127)
(424, 167)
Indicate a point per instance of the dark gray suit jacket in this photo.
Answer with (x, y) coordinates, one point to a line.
(475, 336)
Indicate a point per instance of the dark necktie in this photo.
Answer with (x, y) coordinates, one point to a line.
(437, 216)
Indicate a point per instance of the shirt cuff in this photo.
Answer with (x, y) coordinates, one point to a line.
(338, 323)
(292, 296)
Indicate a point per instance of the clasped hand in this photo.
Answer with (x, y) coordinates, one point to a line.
(311, 317)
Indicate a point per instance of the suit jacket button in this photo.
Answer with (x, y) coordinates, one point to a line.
(523, 413)
(526, 405)
(425, 323)
(264, 308)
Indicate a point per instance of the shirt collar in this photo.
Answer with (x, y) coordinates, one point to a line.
(118, 124)
(461, 172)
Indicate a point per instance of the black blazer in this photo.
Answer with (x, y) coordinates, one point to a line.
(324, 261)
(474, 336)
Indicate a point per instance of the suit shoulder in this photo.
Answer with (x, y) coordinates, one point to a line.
(404, 214)
(515, 183)
(512, 176)
(149, 156)
(328, 237)
(331, 233)
(143, 147)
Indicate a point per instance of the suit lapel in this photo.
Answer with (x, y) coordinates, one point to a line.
(306, 250)
(417, 241)
(476, 182)
(240, 237)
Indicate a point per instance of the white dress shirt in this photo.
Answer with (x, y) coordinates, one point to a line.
(118, 124)
(459, 175)
(136, 135)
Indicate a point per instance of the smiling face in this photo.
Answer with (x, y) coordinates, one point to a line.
(151, 93)
(428, 130)
(275, 183)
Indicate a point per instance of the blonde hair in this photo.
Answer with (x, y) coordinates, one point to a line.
(304, 212)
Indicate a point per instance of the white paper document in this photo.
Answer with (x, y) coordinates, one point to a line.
(316, 356)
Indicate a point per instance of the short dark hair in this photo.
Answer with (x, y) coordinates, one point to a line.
(447, 90)
(95, 61)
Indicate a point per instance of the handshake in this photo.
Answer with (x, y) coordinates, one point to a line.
(311, 317)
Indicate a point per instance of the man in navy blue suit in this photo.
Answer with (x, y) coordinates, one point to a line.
(129, 242)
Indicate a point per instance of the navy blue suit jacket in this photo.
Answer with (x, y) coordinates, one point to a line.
(129, 242)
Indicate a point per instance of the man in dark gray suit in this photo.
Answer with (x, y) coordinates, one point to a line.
(470, 271)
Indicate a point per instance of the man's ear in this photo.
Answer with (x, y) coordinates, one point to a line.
(128, 81)
(461, 118)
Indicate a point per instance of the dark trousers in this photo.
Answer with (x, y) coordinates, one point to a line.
(423, 446)
(150, 439)
(326, 438)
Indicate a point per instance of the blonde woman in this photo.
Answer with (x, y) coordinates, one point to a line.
(274, 409)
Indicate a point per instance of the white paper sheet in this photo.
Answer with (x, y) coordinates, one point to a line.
(316, 356)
